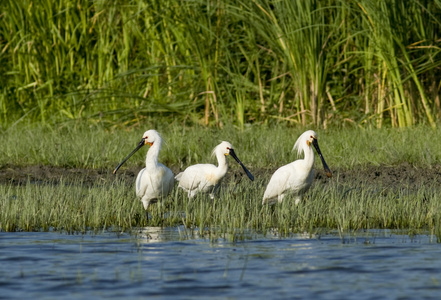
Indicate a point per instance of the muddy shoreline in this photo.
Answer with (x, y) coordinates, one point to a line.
(404, 174)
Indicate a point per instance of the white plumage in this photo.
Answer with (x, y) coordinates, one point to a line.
(207, 177)
(155, 181)
(295, 178)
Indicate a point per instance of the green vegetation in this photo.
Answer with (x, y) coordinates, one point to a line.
(81, 146)
(120, 63)
(343, 203)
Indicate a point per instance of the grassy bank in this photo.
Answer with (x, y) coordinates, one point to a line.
(344, 203)
(220, 62)
(262, 147)
(338, 205)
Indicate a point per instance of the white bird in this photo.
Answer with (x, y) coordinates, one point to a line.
(295, 178)
(207, 177)
(155, 181)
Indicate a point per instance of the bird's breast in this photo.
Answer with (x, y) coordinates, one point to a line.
(212, 178)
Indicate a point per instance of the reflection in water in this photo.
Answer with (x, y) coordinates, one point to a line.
(172, 262)
(155, 234)
(161, 234)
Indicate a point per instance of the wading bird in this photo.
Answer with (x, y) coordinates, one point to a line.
(155, 181)
(295, 178)
(207, 177)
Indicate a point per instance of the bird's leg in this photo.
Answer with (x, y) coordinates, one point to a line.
(161, 204)
(147, 215)
(214, 191)
(146, 204)
(280, 198)
(212, 197)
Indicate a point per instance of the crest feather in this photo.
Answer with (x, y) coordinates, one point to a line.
(301, 141)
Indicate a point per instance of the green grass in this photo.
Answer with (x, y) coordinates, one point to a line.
(343, 204)
(71, 207)
(261, 147)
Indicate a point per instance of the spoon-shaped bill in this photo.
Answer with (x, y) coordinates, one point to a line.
(141, 143)
(325, 166)
(250, 176)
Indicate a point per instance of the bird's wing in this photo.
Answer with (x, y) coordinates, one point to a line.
(140, 186)
(278, 182)
(155, 182)
(300, 176)
(169, 180)
(178, 177)
(194, 176)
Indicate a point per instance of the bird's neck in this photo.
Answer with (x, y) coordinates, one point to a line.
(153, 153)
(309, 157)
(222, 165)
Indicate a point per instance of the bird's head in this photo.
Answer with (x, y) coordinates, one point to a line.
(225, 148)
(150, 136)
(311, 137)
(304, 141)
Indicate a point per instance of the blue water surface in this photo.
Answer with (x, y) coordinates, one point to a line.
(165, 264)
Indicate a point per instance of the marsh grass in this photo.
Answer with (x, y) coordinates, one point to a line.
(70, 207)
(343, 206)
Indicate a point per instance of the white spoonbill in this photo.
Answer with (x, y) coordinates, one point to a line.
(155, 181)
(207, 177)
(295, 178)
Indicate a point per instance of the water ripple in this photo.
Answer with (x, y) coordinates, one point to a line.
(159, 262)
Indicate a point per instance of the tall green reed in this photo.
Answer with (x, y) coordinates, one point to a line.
(394, 30)
(122, 63)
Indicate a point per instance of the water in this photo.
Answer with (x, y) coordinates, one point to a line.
(164, 264)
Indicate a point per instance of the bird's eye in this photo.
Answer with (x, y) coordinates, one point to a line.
(228, 148)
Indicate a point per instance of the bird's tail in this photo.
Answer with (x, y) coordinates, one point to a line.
(178, 177)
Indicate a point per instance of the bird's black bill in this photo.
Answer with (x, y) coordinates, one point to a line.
(141, 143)
(250, 176)
(325, 166)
